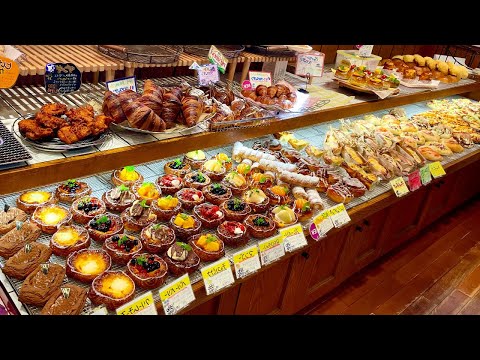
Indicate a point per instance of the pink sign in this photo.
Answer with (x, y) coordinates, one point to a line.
(314, 232)
(246, 85)
(414, 180)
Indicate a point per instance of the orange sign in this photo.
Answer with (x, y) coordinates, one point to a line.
(9, 72)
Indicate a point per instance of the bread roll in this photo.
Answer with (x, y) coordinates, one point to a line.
(420, 60)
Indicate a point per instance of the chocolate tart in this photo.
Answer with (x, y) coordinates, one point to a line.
(86, 208)
(118, 177)
(210, 215)
(217, 193)
(214, 175)
(284, 216)
(233, 233)
(112, 289)
(181, 259)
(69, 238)
(86, 264)
(38, 286)
(15, 239)
(50, 217)
(190, 197)
(170, 184)
(203, 254)
(156, 239)
(277, 199)
(24, 262)
(195, 159)
(72, 190)
(197, 180)
(235, 209)
(137, 216)
(250, 198)
(147, 271)
(230, 181)
(182, 233)
(260, 229)
(58, 304)
(122, 247)
(30, 200)
(9, 217)
(119, 198)
(165, 214)
(103, 226)
(177, 167)
(154, 194)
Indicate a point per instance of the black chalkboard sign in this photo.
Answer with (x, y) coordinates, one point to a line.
(62, 78)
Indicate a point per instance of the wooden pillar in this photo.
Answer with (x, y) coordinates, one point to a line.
(96, 74)
(245, 68)
(129, 71)
(231, 69)
(109, 75)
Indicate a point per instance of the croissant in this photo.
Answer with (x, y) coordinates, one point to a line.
(112, 108)
(153, 101)
(171, 106)
(141, 116)
(272, 91)
(261, 90)
(149, 87)
(192, 108)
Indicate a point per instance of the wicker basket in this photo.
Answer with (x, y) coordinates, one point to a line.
(270, 51)
(229, 51)
(147, 54)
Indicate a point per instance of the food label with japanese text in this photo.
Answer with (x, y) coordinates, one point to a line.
(99, 310)
(271, 249)
(142, 305)
(321, 225)
(414, 181)
(260, 78)
(293, 237)
(216, 57)
(246, 261)
(217, 276)
(119, 85)
(62, 78)
(208, 74)
(437, 170)
(176, 295)
(399, 186)
(338, 215)
(425, 175)
(9, 72)
(311, 64)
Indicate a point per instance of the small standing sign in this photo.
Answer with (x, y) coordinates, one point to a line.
(62, 78)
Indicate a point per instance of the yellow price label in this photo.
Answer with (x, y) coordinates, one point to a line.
(216, 268)
(399, 186)
(174, 287)
(270, 243)
(246, 254)
(291, 231)
(436, 169)
(142, 305)
(334, 210)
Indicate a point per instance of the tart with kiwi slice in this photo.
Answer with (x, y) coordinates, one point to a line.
(185, 225)
(260, 226)
(216, 193)
(262, 180)
(235, 209)
(122, 247)
(166, 207)
(137, 216)
(119, 198)
(148, 271)
(236, 182)
(233, 233)
(190, 198)
(257, 199)
(71, 190)
(126, 176)
(303, 209)
(195, 159)
(146, 191)
(86, 208)
(157, 238)
(207, 246)
(170, 184)
(181, 259)
(197, 180)
(209, 214)
(103, 226)
(30, 200)
(177, 167)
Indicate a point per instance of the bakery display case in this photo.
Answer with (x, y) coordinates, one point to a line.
(166, 196)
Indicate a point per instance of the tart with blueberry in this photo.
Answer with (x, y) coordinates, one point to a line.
(190, 197)
(103, 226)
(236, 182)
(256, 198)
(71, 190)
(208, 246)
(166, 207)
(283, 216)
(126, 176)
(112, 289)
(50, 217)
(177, 167)
(119, 198)
(195, 159)
(233, 233)
(137, 216)
(30, 200)
(197, 180)
(69, 238)
(185, 225)
(147, 271)
(86, 264)
(170, 184)
(278, 194)
(210, 215)
(217, 193)
(181, 259)
(157, 238)
(259, 226)
(235, 209)
(214, 169)
(122, 247)
(86, 208)
(147, 191)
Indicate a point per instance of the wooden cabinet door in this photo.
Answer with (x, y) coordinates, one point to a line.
(466, 185)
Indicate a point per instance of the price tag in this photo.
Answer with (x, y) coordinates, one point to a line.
(208, 74)
(246, 261)
(399, 186)
(414, 181)
(365, 50)
(338, 215)
(13, 53)
(177, 295)
(271, 249)
(62, 78)
(323, 224)
(310, 64)
(260, 78)
(119, 85)
(99, 310)
(9, 72)
(293, 237)
(425, 175)
(436, 169)
(216, 57)
(142, 305)
(194, 66)
(217, 276)
(247, 85)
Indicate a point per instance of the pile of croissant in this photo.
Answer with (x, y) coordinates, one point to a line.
(156, 109)
(279, 95)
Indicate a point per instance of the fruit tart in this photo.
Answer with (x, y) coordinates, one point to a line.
(119, 198)
(283, 216)
(16, 238)
(259, 226)
(278, 194)
(137, 216)
(181, 259)
(225, 160)
(103, 226)
(195, 159)
(60, 303)
(303, 209)
(147, 191)
(170, 184)
(210, 215)
(166, 207)
(147, 271)
(41, 284)
(190, 197)
(256, 198)
(235, 209)
(233, 233)
(185, 225)
(197, 180)
(72, 190)
(214, 169)
(30, 200)
(262, 180)
(122, 247)
(216, 193)
(69, 238)
(50, 217)
(177, 167)
(9, 217)
(126, 176)
(26, 260)
(208, 246)
(86, 208)
(236, 182)
(157, 238)
(112, 289)
(86, 264)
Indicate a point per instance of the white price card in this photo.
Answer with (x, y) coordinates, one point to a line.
(141, 305)
(246, 261)
(99, 310)
(293, 237)
(119, 85)
(176, 295)
(323, 223)
(310, 63)
(271, 249)
(217, 276)
(338, 214)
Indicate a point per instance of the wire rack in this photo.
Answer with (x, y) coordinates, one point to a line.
(11, 151)
(275, 51)
(147, 54)
(229, 51)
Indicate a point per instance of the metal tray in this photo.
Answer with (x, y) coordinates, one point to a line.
(11, 151)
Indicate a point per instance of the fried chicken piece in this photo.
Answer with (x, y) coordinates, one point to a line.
(83, 114)
(100, 124)
(32, 130)
(73, 133)
(50, 121)
(54, 109)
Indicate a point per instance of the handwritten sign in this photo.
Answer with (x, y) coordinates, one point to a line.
(414, 181)
(260, 78)
(246, 261)
(271, 249)
(321, 225)
(310, 64)
(216, 57)
(194, 66)
(99, 310)
(141, 305)
(62, 78)
(436, 169)
(217, 276)
(293, 237)
(399, 187)
(119, 85)
(365, 50)
(425, 175)
(247, 85)
(176, 295)
(9, 72)
(338, 215)
(208, 74)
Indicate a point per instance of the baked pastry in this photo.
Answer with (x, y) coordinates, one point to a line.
(214, 169)
(283, 216)
(235, 209)
(355, 186)
(262, 180)
(190, 197)
(207, 246)
(453, 145)
(439, 147)
(261, 90)
(147, 191)
(314, 199)
(177, 167)
(157, 238)
(278, 194)
(210, 215)
(233, 233)
(137, 216)
(72, 190)
(86, 208)
(181, 259)
(86, 264)
(257, 199)
(147, 271)
(50, 217)
(141, 116)
(236, 182)
(409, 74)
(71, 304)
(112, 289)
(429, 154)
(342, 71)
(30, 200)
(25, 260)
(122, 247)
(375, 83)
(166, 207)
(339, 193)
(103, 226)
(119, 198)
(197, 180)
(314, 151)
(170, 184)
(259, 226)
(69, 238)
(195, 159)
(15, 239)
(126, 176)
(299, 179)
(185, 225)
(216, 193)
(41, 284)
(9, 217)
(358, 77)
(303, 209)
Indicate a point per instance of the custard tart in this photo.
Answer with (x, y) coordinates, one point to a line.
(30, 200)
(69, 238)
(112, 289)
(50, 217)
(86, 264)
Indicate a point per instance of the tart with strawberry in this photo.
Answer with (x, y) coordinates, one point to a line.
(147, 271)
(137, 216)
(210, 215)
(214, 169)
(260, 226)
(235, 209)
(177, 167)
(197, 180)
(283, 216)
(147, 191)
(103, 226)
(256, 198)
(71, 190)
(126, 176)
(236, 182)
(119, 198)
(157, 238)
(185, 225)
(190, 197)
(303, 209)
(122, 247)
(181, 259)
(195, 159)
(217, 193)
(166, 207)
(278, 194)
(86, 208)
(233, 233)
(170, 184)
(208, 246)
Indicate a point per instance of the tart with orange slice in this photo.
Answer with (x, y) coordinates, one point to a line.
(185, 225)
(166, 207)
(208, 246)
(303, 209)
(147, 191)
(278, 194)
